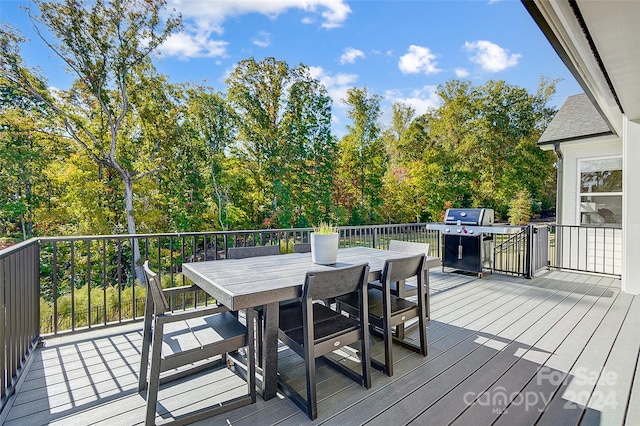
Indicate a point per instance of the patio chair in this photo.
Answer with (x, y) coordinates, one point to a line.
(410, 287)
(387, 311)
(188, 341)
(302, 248)
(246, 252)
(313, 330)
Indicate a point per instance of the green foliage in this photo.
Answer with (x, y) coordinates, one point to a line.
(284, 140)
(362, 159)
(325, 228)
(286, 246)
(130, 298)
(261, 155)
(476, 149)
(520, 208)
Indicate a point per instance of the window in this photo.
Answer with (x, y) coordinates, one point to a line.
(601, 191)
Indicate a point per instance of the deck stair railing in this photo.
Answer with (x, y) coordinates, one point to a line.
(510, 253)
(19, 315)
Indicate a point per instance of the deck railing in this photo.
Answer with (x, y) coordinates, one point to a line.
(594, 249)
(19, 315)
(89, 281)
(66, 284)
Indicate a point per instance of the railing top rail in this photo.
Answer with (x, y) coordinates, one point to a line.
(195, 234)
(17, 247)
(605, 226)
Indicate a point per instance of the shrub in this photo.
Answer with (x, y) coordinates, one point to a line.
(520, 208)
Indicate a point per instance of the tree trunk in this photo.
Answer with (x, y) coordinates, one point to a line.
(131, 223)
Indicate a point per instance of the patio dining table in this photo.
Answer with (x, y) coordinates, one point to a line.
(267, 280)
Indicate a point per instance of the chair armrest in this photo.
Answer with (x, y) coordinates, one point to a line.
(169, 317)
(180, 290)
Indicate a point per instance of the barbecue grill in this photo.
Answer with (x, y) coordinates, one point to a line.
(469, 239)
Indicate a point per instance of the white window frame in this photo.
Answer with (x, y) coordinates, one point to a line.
(599, 194)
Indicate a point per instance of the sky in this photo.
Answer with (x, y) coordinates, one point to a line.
(401, 50)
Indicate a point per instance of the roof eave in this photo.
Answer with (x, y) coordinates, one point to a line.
(597, 80)
(574, 139)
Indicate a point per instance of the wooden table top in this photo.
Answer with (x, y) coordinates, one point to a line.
(245, 283)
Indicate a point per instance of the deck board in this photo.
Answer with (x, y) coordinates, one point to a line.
(563, 349)
(521, 359)
(617, 376)
(455, 346)
(571, 399)
(487, 336)
(499, 342)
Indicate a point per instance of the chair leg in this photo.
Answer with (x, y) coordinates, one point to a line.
(144, 363)
(146, 343)
(259, 325)
(422, 323)
(154, 376)
(388, 339)
(400, 331)
(312, 396)
(365, 357)
(251, 355)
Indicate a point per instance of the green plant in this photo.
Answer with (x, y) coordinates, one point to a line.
(520, 209)
(286, 246)
(325, 228)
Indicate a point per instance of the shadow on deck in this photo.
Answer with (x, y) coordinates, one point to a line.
(559, 349)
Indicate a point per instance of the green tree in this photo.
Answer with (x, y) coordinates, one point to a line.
(210, 126)
(106, 45)
(484, 140)
(311, 150)
(402, 116)
(25, 153)
(363, 157)
(520, 208)
(284, 120)
(402, 201)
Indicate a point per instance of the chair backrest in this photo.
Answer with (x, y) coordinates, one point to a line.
(160, 304)
(321, 285)
(302, 248)
(409, 247)
(244, 252)
(403, 268)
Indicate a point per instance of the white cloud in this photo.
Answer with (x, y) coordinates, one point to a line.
(461, 73)
(418, 60)
(336, 85)
(350, 55)
(263, 39)
(195, 45)
(203, 18)
(422, 100)
(490, 56)
(333, 12)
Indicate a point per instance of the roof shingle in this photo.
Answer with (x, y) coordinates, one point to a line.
(576, 119)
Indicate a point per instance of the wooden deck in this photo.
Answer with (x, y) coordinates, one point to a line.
(560, 349)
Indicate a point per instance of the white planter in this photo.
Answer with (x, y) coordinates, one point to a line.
(324, 248)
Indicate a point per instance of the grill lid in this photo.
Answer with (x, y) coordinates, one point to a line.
(482, 217)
